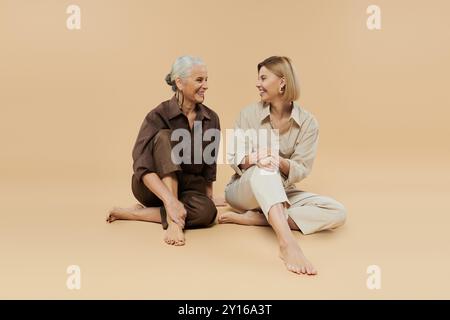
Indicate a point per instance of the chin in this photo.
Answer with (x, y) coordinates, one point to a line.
(199, 99)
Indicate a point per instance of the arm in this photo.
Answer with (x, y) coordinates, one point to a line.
(285, 166)
(238, 146)
(155, 185)
(301, 161)
(174, 208)
(246, 162)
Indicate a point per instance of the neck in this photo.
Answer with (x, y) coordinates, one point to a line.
(280, 108)
(187, 107)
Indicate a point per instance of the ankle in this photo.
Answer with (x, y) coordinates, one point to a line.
(286, 243)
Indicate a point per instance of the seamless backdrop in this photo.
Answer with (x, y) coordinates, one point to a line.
(72, 102)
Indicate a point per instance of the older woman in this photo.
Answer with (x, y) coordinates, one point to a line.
(266, 174)
(177, 194)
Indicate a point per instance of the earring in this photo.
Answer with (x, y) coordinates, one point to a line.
(177, 94)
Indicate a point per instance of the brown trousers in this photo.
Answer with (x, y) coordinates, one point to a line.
(201, 211)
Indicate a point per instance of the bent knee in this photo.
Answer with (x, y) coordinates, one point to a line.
(259, 177)
(201, 211)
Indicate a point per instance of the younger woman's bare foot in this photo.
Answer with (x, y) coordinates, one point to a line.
(249, 218)
(118, 213)
(174, 235)
(295, 260)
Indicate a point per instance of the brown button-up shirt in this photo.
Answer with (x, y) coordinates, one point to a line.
(168, 115)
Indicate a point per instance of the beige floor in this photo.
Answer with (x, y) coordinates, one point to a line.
(72, 102)
(398, 219)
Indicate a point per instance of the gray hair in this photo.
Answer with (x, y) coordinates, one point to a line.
(181, 68)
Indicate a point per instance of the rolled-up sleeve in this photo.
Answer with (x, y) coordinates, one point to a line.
(302, 159)
(143, 161)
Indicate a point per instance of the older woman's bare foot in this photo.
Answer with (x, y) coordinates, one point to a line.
(249, 218)
(174, 235)
(295, 260)
(118, 213)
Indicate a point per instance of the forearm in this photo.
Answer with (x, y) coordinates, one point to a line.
(155, 185)
(245, 163)
(284, 166)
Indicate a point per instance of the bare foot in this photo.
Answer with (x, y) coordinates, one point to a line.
(174, 235)
(118, 213)
(249, 218)
(295, 260)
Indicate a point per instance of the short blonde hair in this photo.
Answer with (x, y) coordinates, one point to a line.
(282, 67)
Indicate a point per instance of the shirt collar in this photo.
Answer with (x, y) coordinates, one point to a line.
(295, 113)
(174, 110)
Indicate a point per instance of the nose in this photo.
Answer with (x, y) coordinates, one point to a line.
(205, 85)
(258, 83)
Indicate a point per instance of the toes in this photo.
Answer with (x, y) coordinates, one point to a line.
(115, 209)
(303, 270)
(308, 270)
(180, 243)
(293, 269)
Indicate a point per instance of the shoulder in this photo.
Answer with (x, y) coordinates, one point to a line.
(306, 118)
(252, 110)
(211, 113)
(157, 113)
(160, 108)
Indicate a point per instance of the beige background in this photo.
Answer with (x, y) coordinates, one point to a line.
(72, 103)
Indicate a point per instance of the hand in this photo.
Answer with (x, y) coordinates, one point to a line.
(176, 211)
(257, 155)
(270, 163)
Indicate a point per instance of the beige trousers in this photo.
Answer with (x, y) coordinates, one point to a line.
(259, 189)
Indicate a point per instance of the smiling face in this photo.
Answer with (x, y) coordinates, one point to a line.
(195, 85)
(270, 85)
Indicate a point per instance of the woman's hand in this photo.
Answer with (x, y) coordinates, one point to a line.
(176, 211)
(270, 163)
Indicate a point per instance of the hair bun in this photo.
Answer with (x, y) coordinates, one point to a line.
(169, 80)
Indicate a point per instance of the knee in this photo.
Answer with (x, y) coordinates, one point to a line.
(201, 211)
(261, 177)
